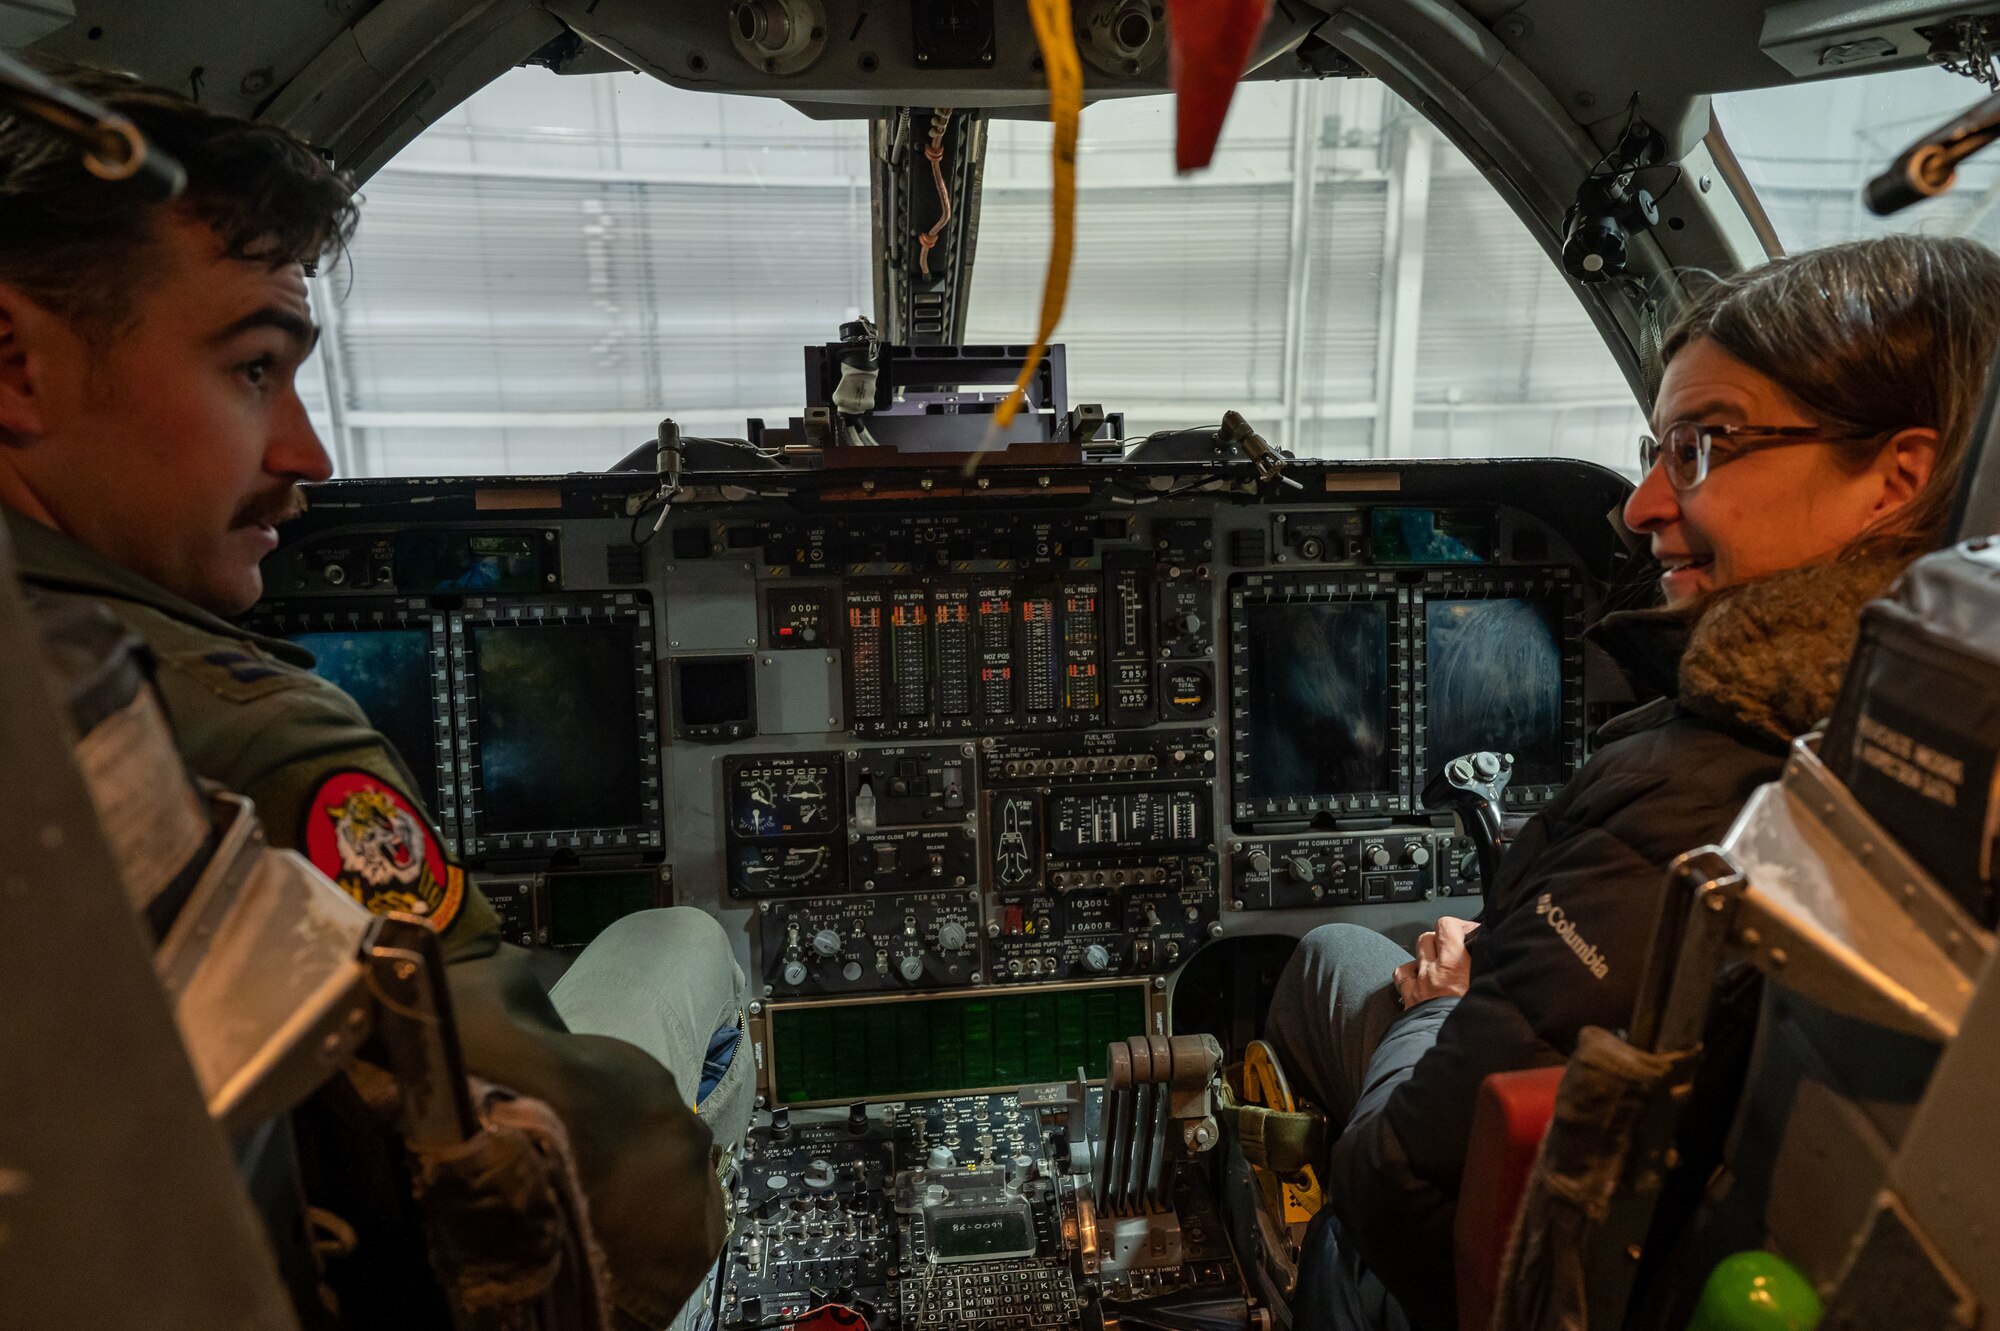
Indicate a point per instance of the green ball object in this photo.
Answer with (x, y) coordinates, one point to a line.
(1757, 1291)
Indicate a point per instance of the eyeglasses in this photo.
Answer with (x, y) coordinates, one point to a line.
(1690, 453)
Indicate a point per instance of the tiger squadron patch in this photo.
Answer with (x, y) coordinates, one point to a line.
(365, 834)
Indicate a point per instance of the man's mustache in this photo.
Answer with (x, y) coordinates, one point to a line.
(273, 510)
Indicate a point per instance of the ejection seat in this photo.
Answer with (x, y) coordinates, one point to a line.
(1868, 969)
(147, 1094)
(1581, 1202)
(1851, 1139)
(1856, 1146)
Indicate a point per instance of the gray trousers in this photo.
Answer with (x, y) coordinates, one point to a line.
(1342, 1033)
(1334, 1002)
(667, 981)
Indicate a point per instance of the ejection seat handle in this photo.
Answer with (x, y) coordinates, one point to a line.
(1473, 786)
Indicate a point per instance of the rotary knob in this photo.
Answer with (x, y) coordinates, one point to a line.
(1259, 860)
(795, 973)
(1300, 868)
(1097, 958)
(827, 943)
(1416, 855)
(911, 968)
(1377, 856)
(951, 936)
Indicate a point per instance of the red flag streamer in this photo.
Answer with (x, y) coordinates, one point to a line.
(1208, 44)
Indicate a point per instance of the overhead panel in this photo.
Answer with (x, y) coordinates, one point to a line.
(24, 21)
(1814, 38)
(917, 54)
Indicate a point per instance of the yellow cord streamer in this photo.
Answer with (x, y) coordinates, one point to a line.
(1056, 35)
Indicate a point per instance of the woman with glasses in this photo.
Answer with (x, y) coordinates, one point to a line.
(1805, 446)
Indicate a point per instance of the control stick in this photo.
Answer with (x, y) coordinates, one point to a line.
(1471, 787)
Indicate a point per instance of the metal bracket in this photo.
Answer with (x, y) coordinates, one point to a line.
(406, 973)
(819, 429)
(1965, 46)
(1896, 1276)
(1083, 422)
(1715, 906)
(1704, 890)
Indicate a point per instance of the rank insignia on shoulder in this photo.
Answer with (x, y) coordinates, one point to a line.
(242, 667)
(365, 834)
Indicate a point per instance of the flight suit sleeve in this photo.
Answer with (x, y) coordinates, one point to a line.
(325, 783)
(330, 786)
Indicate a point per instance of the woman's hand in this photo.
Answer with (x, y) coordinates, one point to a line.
(1443, 968)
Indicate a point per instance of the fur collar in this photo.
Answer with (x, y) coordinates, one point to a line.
(1768, 656)
(1765, 657)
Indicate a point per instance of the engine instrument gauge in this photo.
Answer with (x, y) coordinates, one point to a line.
(783, 795)
(755, 810)
(785, 870)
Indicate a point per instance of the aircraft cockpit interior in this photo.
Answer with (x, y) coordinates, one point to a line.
(1017, 701)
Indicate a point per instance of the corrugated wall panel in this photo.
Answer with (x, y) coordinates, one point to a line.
(1499, 322)
(1344, 293)
(483, 294)
(1177, 294)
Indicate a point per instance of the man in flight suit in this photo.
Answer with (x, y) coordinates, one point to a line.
(151, 441)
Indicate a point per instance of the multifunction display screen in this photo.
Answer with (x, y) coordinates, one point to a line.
(389, 673)
(559, 728)
(1318, 696)
(1494, 680)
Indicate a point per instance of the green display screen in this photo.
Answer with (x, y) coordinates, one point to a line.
(869, 1051)
(977, 1235)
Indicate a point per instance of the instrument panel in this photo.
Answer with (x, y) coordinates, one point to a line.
(1062, 736)
(950, 1213)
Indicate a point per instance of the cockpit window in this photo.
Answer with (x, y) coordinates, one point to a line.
(1807, 149)
(559, 262)
(1428, 322)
